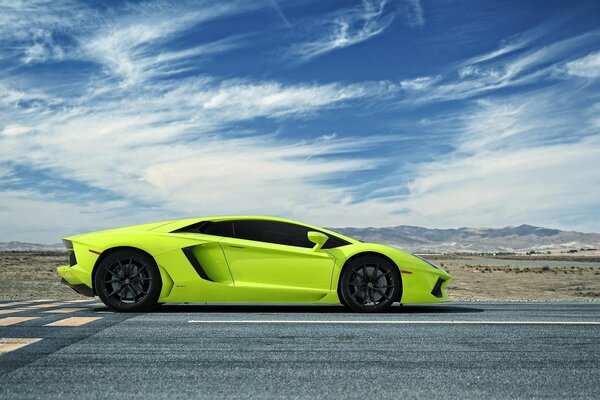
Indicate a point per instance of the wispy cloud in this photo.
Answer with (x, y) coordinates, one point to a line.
(134, 49)
(43, 49)
(587, 67)
(346, 28)
(415, 13)
(29, 29)
(138, 44)
(504, 68)
(420, 83)
(242, 100)
(515, 43)
(280, 13)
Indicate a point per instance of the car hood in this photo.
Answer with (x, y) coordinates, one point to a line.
(407, 260)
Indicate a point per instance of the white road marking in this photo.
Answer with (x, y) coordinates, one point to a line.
(416, 322)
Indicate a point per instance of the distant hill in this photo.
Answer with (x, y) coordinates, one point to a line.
(520, 239)
(23, 246)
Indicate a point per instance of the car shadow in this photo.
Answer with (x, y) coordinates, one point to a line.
(308, 309)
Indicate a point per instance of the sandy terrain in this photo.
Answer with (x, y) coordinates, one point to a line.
(25, 275)
(33, 275)
(522, 278)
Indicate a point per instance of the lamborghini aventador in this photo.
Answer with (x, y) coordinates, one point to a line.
(245, 259)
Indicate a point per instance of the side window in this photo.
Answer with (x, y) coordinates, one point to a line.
(263, 231)
(273, 232)
(280, 233)
(333, 242)
(222, 228)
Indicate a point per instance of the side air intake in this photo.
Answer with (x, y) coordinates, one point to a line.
(189, 253)
(437, 289)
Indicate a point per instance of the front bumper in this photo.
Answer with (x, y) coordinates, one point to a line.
(439, 289)
(425, 287)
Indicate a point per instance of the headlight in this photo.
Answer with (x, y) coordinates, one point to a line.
(427, 261)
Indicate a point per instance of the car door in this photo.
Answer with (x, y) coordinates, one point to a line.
(276, 259)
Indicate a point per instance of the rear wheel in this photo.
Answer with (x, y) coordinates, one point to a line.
(370, 284)
(128, 280)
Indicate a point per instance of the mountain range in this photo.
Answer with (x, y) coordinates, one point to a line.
(520, 239)
(25, 246)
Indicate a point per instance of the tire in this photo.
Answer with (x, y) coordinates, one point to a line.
(370, 284)
(128, 281)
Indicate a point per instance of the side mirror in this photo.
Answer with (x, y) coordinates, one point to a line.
(318, 239)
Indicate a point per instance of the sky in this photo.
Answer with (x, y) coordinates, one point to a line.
(337, 113)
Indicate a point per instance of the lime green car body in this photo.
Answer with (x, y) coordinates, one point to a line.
(196, 267)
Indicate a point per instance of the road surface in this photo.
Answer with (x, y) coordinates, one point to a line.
(79, 350)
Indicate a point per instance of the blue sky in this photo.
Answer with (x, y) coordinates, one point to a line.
(339, 113)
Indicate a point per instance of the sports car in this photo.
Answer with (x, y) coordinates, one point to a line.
(245, 259)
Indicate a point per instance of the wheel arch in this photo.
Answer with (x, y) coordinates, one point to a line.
(370, 253)
(110, 251)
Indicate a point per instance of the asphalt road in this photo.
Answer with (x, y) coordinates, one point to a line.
(455, 350)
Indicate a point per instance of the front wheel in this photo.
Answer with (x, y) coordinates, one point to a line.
(370, 284)
(128, 280)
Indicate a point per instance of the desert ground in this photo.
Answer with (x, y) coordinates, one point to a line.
(522, 278)
(25, 275)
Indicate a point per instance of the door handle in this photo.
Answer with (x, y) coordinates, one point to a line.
(235, 246)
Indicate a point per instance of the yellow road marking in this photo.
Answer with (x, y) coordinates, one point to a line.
(38, 306)
(11, 344)
(13, 303)
(11, 311)
(73, 321)
(63, 310)
(80, 301)
(14, 320)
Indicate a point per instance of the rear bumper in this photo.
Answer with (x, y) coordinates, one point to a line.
(81, 288)
(77, 278)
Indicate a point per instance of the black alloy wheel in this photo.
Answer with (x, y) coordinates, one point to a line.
(128, 280)
(370, 284)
